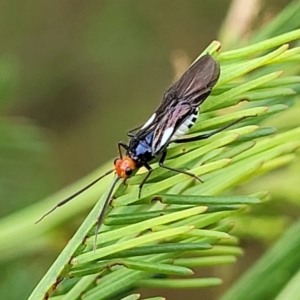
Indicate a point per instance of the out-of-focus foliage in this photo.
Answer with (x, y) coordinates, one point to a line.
(19, 138)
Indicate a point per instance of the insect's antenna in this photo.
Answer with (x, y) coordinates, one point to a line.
(101, 216)
(61, 203)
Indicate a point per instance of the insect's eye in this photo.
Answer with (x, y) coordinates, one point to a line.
(115, 160)
(128, 171)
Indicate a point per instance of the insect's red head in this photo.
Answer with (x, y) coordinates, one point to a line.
(124, 166)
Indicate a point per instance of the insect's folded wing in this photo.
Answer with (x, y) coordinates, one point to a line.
(197, 82)
(180, 101)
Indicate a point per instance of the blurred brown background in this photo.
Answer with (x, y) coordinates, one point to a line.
(74, 77)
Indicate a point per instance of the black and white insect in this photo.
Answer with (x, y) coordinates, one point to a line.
(176, 114)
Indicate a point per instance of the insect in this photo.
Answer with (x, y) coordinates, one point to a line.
(176, 114)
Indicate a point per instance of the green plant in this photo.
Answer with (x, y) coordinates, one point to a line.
(143, 241)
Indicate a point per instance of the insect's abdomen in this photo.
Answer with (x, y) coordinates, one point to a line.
(186, 125)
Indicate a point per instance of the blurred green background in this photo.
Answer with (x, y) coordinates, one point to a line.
(74, 77)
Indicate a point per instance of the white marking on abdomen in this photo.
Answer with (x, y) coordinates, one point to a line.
(149, 121)
(185, 126)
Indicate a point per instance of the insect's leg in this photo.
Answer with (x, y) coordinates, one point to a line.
(130, 132)
(121, 144)
(161, 164)
(207, 135)
(145, 179)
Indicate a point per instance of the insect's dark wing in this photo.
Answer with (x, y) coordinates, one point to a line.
(182, 98)
(180, 101)
(196, 83)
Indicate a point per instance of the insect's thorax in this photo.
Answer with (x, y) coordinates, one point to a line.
(186, 125)
(140, 149)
